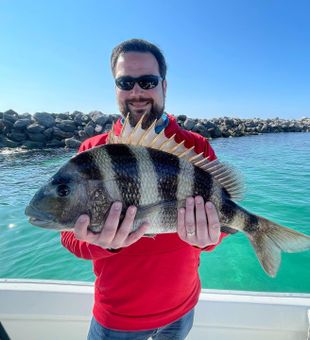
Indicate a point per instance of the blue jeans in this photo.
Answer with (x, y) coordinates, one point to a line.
(177, 330)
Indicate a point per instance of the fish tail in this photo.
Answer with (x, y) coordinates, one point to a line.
(270, 239)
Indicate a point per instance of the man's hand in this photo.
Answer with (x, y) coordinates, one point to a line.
(112, 235)
(198, 223)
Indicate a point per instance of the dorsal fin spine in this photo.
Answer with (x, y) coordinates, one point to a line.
(193, 158)
(140, 141)
(162, 145)
(186, 152)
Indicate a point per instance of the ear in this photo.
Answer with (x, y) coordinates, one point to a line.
(165, 87)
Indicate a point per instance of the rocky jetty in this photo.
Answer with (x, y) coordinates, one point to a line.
(50, 130)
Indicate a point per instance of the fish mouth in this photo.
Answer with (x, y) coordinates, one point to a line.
(39, 219)
(42, 223)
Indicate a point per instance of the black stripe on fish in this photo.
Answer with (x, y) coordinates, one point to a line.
(167, 168)
(125, 167)
(228, 210)
(87, 165)
(251, 223)
(228, 230)
(203, 183)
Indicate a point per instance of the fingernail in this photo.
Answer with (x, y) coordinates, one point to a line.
(83, 218)
(199, 199)
(117, 205)
(132, 210)
(190, 201)
(209, 205)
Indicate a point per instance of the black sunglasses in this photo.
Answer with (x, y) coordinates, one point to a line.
(147, 82)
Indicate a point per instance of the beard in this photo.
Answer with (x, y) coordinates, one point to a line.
(150, 114)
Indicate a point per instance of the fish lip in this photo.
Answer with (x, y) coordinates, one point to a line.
(42, 223)
(32, 212)
(40, 220)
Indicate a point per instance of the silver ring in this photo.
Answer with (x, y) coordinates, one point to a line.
(215, 226)
(190, 233)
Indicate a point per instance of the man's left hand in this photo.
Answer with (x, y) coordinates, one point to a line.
(198, 223)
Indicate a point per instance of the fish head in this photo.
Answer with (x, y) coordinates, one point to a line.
(66, 196)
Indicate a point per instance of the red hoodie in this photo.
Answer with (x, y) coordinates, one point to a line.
(154, 281)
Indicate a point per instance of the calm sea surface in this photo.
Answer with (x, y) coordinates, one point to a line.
(274, 167)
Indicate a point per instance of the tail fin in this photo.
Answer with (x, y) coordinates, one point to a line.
(270, 239)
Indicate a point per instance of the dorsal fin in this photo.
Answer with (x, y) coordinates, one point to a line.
(225, 175)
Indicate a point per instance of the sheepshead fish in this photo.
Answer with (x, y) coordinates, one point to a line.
(156, 176)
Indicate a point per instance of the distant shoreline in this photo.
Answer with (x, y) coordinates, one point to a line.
(51, 130)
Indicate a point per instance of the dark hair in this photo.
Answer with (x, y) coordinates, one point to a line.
(139, 45)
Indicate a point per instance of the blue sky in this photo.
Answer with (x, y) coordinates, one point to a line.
(233, 58)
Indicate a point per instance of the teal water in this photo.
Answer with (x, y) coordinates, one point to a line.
(276, 172)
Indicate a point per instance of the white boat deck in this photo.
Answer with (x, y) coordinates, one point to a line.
(58, 310)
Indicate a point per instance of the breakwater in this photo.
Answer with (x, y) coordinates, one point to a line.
(51, 130)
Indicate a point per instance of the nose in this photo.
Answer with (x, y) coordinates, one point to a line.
(137, 89)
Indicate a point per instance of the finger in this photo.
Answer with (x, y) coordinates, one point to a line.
(181, 224)
(136, 235)
(110, 226)
(81, 231)
(201, 220)
(190, 217)
(214, 227)
(125, 228)
(80, 227)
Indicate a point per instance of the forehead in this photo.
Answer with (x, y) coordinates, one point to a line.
(136, 64)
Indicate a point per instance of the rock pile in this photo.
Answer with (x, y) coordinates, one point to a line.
(236, 127)
(50, 130)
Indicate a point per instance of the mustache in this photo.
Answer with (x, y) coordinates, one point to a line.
(138, 100)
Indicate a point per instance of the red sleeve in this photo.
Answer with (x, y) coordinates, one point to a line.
(84, 249)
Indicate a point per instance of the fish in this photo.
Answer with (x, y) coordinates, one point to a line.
(156, 174)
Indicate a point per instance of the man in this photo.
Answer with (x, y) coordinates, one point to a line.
(145, 287)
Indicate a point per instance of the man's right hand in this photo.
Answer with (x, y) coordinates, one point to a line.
(112, 236)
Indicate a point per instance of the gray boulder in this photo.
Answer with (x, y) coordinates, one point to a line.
(80, 118)
(62, 134)
(67, 125)
(55, 143)
(189, 124)
(10, 116)
(82, 135)
(35, 128)
(182, 118)
(17, 136)
(45, 119)
(21, 124)
(36, 137)
(25, 115)
(48, 133)
(72, 143)
(62, 116)
(99, 118)
(8, 143)
(89, 130)
(2, 126)
(215, 132)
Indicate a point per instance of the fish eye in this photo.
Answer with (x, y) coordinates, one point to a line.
(63, 190)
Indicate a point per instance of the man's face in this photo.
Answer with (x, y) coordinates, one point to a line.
(137, 101)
